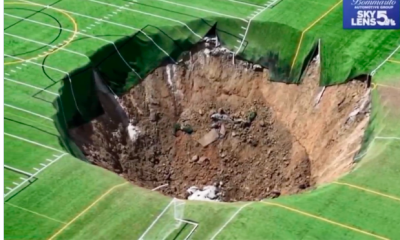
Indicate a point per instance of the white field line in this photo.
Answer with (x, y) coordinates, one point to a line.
(193, 229)
(73, 52)
(248, 24)
(109, 22)
(245, 3)
(157, 218)
(32, 113)
(34, 175)
(149, 14)
(229, 220)
(78, 33)
(203, 10)
(18, 170)
(55, 69)
(31, 86)
(387, 138)
(361, 155)
(373, 72)
(45, 44)
(34, 143)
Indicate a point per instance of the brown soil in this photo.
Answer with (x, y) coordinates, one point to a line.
(292, 144)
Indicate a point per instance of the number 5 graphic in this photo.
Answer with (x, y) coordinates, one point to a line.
(380, 15)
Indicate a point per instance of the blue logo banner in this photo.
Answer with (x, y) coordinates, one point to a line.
(371, 14)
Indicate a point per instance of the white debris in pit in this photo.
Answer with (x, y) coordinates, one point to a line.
(173, 83)
(207, 52)
(363, 107)
(121, 104)
(169, 77)
(319, 96)
(212, 40)
(208, 193)
(220, 117)
(257, 66)
(133, 132)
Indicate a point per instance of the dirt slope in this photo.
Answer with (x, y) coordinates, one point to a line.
(273, 139)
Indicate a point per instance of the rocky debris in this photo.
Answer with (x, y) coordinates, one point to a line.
(209, 138)
(208, 193)
(186, 128)
(363, 107)
(247, 141)
(133, 132)
(153, 116)
(195, 158)
(220, 117)
(203, 159)
(319, 96)
(222, 131)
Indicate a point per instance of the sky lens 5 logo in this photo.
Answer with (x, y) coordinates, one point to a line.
(371, 14)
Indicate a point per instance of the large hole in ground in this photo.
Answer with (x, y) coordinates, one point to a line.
(207, 121)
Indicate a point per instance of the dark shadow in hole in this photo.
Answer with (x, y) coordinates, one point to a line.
(28, 125)
(310, 56)
(40, 11)
(9, 198)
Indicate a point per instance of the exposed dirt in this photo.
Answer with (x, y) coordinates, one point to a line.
(290, 145)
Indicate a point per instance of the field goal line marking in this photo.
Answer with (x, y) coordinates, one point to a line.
(35, 213)
(367, 190)
(309, 27)
(230, 220)
(32, 142)
(87, 209)
(324, 219)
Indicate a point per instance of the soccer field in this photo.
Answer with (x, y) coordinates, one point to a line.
(52, 195)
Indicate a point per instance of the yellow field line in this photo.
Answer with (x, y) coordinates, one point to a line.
(368, 190)
(308, 28)
(86, 209)
(41, 215)
(326, 220)
(394, 61)
(65, 43)
(383, 85)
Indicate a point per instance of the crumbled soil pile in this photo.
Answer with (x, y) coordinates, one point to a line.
(206, 121)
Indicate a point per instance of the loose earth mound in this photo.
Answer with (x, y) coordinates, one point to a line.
(206, 121)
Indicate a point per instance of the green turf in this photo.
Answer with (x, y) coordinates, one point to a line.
(62, 192)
